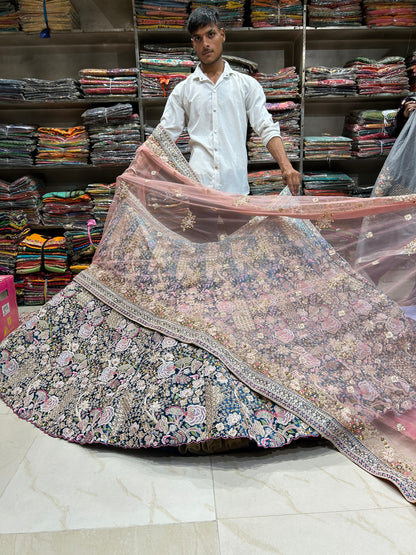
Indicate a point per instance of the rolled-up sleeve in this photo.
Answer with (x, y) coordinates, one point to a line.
(260, 119)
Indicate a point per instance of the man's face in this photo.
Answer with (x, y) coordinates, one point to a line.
(208, 43)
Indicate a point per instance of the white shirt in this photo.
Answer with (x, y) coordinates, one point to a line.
(216, 118)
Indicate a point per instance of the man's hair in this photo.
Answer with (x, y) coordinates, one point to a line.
(201, 17)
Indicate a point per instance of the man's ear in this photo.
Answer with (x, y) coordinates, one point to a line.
(222, 33)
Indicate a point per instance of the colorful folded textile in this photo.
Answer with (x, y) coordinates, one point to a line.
(287, 114)
(382, 13)
(385, 76)
(276, 13)
(66, 208)
(60, 15)
(62, 145)
(114, 132)
(327, 183)
(367, 129)
(231, 11)
(22, 194)
(29, 257)
(325, 13)
(265, 182)
(410, 62)
(55, 256)
(81, 245)
(118, 82)
(13, 229)
(326, 147)
(284, 83)
(171, 14)
(37, 288)
(322, 81)
(9, 15)
(102, 196)
(17, 144)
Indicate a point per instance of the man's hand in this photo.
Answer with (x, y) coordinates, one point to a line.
(409, 107)
(291, 178)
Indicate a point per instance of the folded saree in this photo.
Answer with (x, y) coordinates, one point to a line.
(206, 315)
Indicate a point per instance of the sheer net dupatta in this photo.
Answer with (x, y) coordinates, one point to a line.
(251, 280)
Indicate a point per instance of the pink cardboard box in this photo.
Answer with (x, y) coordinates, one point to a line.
(9, 315)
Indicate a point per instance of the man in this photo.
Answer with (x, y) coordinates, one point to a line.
(215, 103)
(407, 106)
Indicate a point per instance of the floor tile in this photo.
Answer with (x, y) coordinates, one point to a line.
(368, 532)
(307, 477)
(64, 486)
(200, 538)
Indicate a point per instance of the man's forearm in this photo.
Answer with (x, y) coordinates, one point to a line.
(290, 176)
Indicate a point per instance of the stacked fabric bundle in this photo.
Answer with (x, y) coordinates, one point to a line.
(115, 133)
(37, 288)
(102, 196)
(17, 144)
(287, 114)
(63, 208)
(265, 182)
(385, 76)
(13, 229)
(327, 183)
(325, 13)
(276, 13)
(231, 11)
(323, 81)
(381, 13)
(284, 83)
(12, 89)
(326, 147)
(55, 256)
(79, 247)
(60, 14)
(161, 68)
(29, 257)
(367, 129)
(43, 90)
(411, 70)
(67, 146)
(9, 15)
(22, 194)
(117, 82)
(170, 14)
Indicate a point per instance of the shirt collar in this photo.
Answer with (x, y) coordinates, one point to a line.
(199, 75)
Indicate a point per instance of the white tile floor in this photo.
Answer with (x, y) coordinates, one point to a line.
(61, 498)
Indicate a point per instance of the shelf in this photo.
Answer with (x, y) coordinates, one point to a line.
(60, 104)
(360, 33)
(67, 38)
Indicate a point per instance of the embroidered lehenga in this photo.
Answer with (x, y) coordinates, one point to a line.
(211, 316)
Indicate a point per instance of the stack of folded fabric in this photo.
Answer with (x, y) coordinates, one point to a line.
(38, 288)
(60, 14)
(43, 90)
(367, 129)
(55, 256)
(102, 196)
(385, 76)
(114, 132)
(117, 82)
(284, 83)
(276, 13)
(325, 13)
(382, 13)
(81, 246)
(162, 68)
(9, 15)
(13, 229)
(17, 144)
(171, 14)
(324, 81)
(287, 114)
(22, 194)
(231, 12)
(66, 208)
(326, 147)
(327, 183)
(265, 182)
(12, 89)
(30, 254)
(66, 146)
(411, 70)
